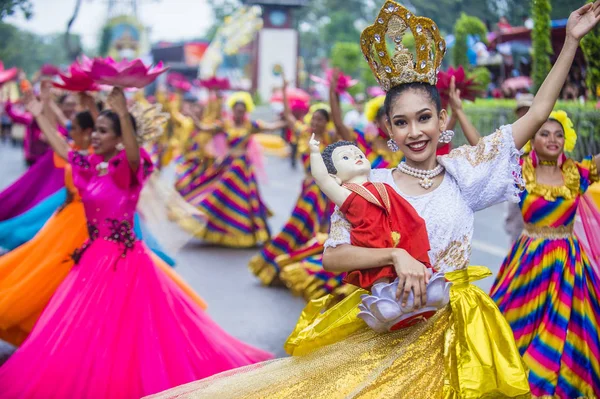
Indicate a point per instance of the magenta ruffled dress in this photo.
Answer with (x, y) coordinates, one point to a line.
(117, 327)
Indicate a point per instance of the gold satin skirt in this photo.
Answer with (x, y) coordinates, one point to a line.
(465, 351)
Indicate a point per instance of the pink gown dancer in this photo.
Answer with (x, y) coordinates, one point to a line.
(117, 327)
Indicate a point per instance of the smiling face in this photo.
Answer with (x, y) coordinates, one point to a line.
(416, 125)
(549, 141)
(104, 137)
(350, 163)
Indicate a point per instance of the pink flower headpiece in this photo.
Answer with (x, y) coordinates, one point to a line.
(215, 83)
(6, 75)
(124, 73)
(76, 79)
(467, 87)
(49, 70)
(344, 82)
(179, 82)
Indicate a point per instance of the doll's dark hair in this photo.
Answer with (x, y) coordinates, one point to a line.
(116, 122)
(84, 120)
(328, 154)
(430, 91)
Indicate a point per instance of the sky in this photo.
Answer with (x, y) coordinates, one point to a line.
(169, 20)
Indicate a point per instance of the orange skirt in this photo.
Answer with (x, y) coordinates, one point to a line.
(30, 274)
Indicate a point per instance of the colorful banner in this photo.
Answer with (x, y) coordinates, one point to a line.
(126, 37)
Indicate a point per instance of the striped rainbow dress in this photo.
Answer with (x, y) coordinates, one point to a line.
(548, 291)
(227, 193)
(309, 217)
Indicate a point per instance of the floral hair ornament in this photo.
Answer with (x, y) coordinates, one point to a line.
(314, 108)
(241, 97)
(150, 121)
(567, 124)
(372, 107)
(400, 67)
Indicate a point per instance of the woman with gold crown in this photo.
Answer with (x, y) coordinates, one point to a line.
(116, 318)
(546, 287)
(227, 192)
(467, 349)
(309, 218)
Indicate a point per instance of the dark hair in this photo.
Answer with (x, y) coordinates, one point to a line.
(559, 124)
(323, 113)
(239, 103)
(116, 123)
(328, 154)
(380, 113)
(396, 91)
(100, 105)
(62, 98)
(84, 120)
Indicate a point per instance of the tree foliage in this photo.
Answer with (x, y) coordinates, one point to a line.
(29, 51)
(591, 50)
(541, 42)
(9, 7)
(465, 26)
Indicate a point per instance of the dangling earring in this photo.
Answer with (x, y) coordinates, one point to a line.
(392, 145)
(446, 136)
(120, 147)
(561, 160)
(534, 158)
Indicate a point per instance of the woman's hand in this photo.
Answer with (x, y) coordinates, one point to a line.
(454, 94)
(583, 20)
(412, 276)
(117, 102)
(33, 105)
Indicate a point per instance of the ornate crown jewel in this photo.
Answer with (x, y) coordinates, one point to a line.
(150, 121)
(392, 70)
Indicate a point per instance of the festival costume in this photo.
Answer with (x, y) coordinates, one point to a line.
(116, 319)
(227, 193)
(39, 182)
(30, 274)
(309, 217)
(465, 351)
(33, 146)
(548, 291)
(380, 218)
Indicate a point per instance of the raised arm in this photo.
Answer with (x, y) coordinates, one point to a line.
(288, 117)
(21, 118)
(470, 131)
(327, 183)
(579, 24)
(53, 137)
(271, 126)
(118, 103)
(336, 111)
(89, 103)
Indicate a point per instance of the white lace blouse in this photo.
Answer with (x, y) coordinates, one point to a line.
(476, 177)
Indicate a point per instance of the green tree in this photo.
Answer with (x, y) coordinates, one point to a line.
(542, 45)
(465, 26)
(9, 7)
(40, 49)
(591, 50)
(446, 12)
(221, 9)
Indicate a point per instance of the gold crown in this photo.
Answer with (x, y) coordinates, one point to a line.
(393, 22)
(150, 121)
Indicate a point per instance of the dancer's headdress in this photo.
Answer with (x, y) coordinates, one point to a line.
(150, 121)
(401, 67)
(567, 124)
(241, 97)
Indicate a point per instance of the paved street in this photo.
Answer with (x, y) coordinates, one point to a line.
(265, 316)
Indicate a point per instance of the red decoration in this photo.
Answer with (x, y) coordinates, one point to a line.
(468, 87)
(214, 83)
(123, 73)
(49, 70)
(76, 79)
(179, 82)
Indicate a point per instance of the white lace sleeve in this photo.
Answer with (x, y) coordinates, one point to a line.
(339, 232)
(489, 172)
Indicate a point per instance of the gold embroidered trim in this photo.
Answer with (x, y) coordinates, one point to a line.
(456, 255)
(486, 150)
(567, 191)
(548, 232)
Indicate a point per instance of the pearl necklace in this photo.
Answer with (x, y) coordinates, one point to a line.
(425, 176)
